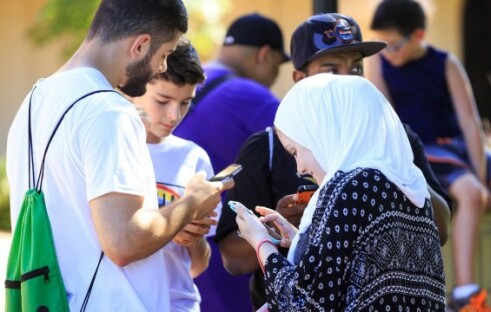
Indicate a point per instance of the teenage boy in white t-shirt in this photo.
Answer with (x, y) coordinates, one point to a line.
(175, 162)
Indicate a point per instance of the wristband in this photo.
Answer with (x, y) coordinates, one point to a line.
(266, 240)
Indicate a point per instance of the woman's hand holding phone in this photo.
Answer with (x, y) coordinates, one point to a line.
(287, 230)
(254, 229)
(250, 227)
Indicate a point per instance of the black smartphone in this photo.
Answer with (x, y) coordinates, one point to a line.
(305, 192)
(228, 173)
(275, 237)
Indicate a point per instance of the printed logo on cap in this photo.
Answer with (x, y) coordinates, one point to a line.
(342, 33)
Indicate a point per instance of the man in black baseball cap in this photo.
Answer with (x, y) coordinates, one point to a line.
(256, 30)
(330, 42)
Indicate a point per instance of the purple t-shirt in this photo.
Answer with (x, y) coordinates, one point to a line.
(228, 115)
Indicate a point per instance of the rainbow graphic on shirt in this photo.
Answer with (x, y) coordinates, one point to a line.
(166, 194)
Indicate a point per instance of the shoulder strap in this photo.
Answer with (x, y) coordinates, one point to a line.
(270, 144)
(207, 88)
(89, 290)
(39, 182)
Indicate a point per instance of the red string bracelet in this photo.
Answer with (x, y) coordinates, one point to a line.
(266, 240)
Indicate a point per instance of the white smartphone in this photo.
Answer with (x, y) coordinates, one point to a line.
(275, 237)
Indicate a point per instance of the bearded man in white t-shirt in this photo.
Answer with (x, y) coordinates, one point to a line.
(98, 182)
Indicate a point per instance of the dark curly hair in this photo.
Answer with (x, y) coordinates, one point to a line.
(183, 66)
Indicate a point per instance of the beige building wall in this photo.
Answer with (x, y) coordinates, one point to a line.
(22, 63)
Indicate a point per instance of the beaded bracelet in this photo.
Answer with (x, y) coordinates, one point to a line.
(266, 240)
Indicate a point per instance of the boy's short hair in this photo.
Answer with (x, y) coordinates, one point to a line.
(120, 19)
(405, 16)
(183, 66)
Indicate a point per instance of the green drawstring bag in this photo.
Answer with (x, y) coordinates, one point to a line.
(33, 281)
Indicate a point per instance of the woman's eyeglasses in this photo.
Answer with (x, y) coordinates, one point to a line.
(393, 48)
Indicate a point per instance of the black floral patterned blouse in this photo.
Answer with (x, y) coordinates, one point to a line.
(369, 248)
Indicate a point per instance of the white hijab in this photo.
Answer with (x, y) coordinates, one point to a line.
(347, 123)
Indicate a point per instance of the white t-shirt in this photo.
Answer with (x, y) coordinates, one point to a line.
(99, 148)
(175, 161)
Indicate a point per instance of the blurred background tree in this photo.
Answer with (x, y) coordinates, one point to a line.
(69, 20)
(65, 20)
(206, 26)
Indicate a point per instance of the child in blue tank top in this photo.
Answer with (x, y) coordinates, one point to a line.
(431, 92)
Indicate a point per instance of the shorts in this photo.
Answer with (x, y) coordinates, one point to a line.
(449, 160)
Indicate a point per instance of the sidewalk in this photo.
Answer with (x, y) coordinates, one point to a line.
(5, 239)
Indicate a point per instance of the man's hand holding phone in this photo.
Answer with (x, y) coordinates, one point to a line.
(288, 207)
(203, 196)
(292, 206)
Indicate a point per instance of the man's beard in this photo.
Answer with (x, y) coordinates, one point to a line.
(139, 74)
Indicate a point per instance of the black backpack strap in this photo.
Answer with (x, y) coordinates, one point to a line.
(207, 88)
(89, 290)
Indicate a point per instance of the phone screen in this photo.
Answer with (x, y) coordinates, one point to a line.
(227, 173)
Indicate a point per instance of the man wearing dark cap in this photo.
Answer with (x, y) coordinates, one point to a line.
(325, 43)
(239, 101)
(330, 43)
(234, 103)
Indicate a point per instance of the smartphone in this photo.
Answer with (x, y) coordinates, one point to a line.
(305, 192)
(228, 173)
(275, 237)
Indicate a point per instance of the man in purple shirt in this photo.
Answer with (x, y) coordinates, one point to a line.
(241, 103)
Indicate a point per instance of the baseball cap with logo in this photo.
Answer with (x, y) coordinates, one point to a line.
(329, 33)
(256, 30)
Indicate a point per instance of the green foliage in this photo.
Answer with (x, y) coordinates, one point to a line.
(206, 29)
(4, 198)
(69, 20)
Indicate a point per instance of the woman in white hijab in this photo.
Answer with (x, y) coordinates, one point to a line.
(367, 240)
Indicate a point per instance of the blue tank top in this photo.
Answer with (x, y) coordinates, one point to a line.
(421, 97)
